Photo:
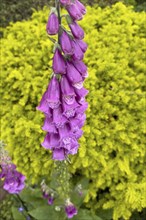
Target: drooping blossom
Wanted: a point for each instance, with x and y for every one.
(76, 30)
(59, 66)
(74, 12)
(65, 2)
(70, 209)
(66, 43)
(53, 24)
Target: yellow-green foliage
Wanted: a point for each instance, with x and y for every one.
(112, 148)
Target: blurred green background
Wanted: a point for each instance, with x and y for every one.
(18, 10)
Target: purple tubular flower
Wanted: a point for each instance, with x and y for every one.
(66, 43)
(43, 106)
(82, 45)
(81, 7)
(82, 108)
(70, 209)
(69, 110)
(80, 94)
(78, 53)
(68, 93)
(51, 141)
(59, 65)
(74, 12)
(53, 96)
(74, 76)
(59, 154)
(58, 118)
(49, 126)
(65, 2)
(14, 182)
(76, 30)
(81, 67)
(53, 24)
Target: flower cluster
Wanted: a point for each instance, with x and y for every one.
(13, 180)
(64, 103)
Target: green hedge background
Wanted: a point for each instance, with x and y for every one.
(19, 10)
(112, 151)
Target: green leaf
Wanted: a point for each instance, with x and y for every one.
(46, 213)
(85, 214)
(16, 214)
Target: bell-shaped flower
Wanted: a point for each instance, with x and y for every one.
(81, 7)
(82, 45)
(70, 209)
(80, 94)
(44, 107)
(67, 90)
(49, 126)
(59, 65)
(82, 108)
(59, 154)
(53, 93)
(74, 76)
(51, 141)
(69, 110)
(67, 138)
(74, 12)
(81, 67)
(65, 2)
(58, 118)
(66, 43)
(78, 53)
(52, 24)
(76, 30)
(77, 132)
(14, 182)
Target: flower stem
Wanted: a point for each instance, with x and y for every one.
(57, 3)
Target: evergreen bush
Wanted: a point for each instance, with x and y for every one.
(112, 149)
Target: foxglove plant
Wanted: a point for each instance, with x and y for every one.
(13, 181)
(63, 103)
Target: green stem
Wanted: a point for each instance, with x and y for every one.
(57, 3)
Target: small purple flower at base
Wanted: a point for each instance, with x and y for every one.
(20, 209)
(76, 30)
(14, 182)
(59, 66)
(53, 24)
(50, 200)
(66, 43)
(70, 209)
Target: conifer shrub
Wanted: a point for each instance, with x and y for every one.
(112, 150)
